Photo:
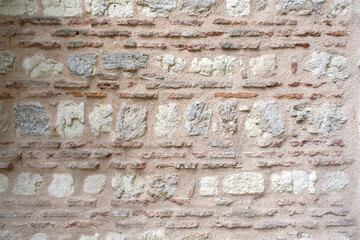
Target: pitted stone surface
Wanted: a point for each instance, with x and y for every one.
(198, 236)
(3, 118)
(87, 237)
(127, 186)
(244, 183)
(335, 182)
(170, 63)
(263, 66)
(39, 66)
(209, 186)
(82, 65)
(294, 181)
(168, 120)
(18, 7)
(70, 119)
(319, 119)
(162, 187)
(340, 236)
(131, 122)
(111, 8)
(61, 186)
(221, 66)
(125, 61)
(227, 112)
(31, 119)
(114, 236)
(156, 8)
(196, 7)
(198, 119)
(341, 7)
(236, 8)
(302, 7)
(39, 236)
(4, 183)
(6, 60)
(27, 183)
(63, 8)
(94, 183)
(100, 119)
(153, 235)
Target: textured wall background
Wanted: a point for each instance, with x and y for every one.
(189, 119)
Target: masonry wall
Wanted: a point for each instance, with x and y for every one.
(189, 119)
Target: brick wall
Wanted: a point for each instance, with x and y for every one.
(188, 119)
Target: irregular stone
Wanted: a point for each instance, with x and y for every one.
(341, 7)
(153, 235)
(18, 7)
(227, 112)
(3, 118)
(168, 120)
(263, 66)
(170, 63)
(222, 65)
(160, 187)
(209, 186)
(321, 119)
(39, 66)
(198, 236)
(39, 236)
(324, 64)
(61, 186)
(63, 8)
(294, 181)
(131, 122)
(125, 61)
(156, 8)
(100, 119)
(197, 7)
(82, 65)
(340, 236)
(264, 119)
(198, 119)
(70, 119)
(114, 236)
(4, 183)
(31, 119)
(127, 186)
(6, 59)
(94, 184)
(285, 6)
(111, 8)
(236, 8)
(244, 183)
(335, 182)
(27, 183)
(85, 237)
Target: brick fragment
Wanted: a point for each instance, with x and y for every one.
(71, 84)
(26, 83)
(6, 95)
(338, 33)
(187, 22)
(41, 20)
(137, 95)
(136, 22)
(180, 95)
(40, 44)
(235, 95)
(81, 44)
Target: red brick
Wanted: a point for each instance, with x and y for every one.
(6, 95)
(180, 95)
(40, 44)
(236, 95)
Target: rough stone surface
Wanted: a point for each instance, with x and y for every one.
(340, 236)
(63, 8)
(18, 7)
(244, 183)
(61, 186)
(31, 119)
(153, 235)
(127, 186)
(209, 186)
(39, 66)
(294, 181)
(3, 118)
(82, 65)
(198, 236)
(264, 119)
(114, 236)
(27, 183)
(227, 112)
(6, 60)
(156, 8)
(221, 66)
(341, 7)
(111, 8)
(324, 64)
(168, 120)
(263, 66)
(87, 237)
(94, 183)
(39, 236)
(131, 122)
(319, 119)
(125, 61)
(302, 7)
(170, 63)
(70, 119)
(236, 8)
(335, 182)
(196, 7)
(162, 187)
(198, 118)
(4, 183)
(100, 119)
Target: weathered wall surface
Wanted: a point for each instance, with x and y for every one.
(189, 119)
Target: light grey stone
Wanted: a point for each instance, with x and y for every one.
(263, 66)
(39, 236)
(244, 183)
(321, 119)
(236, 8)
(338, 68)
(168, 120)
(61, 186)
(127, 186)
(31, 119)
(87, 237)
(131, 122)
(197, 7)
(198, 119)
(4, 183)
(114, 236)
(170, 63)
(18, 7)
(209, 186)
(293, 182)
(125, 61)
(94, 183)
(318, 63)
(162, 187)
(3, 118)
(284, 6)
(111, 8)
(82, 65)
(156, 8)
(221, 66)
(100, 119)
(198, 236)
(63, 8)
(153, 235)
(39, 66)
(227, 112)
(341, 7)
(6, 59)
(335, 182)
(27, 183)
(340, 236)
(70, 119)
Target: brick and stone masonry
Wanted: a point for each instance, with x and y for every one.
(179, 119)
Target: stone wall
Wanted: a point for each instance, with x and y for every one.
(188, 119)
